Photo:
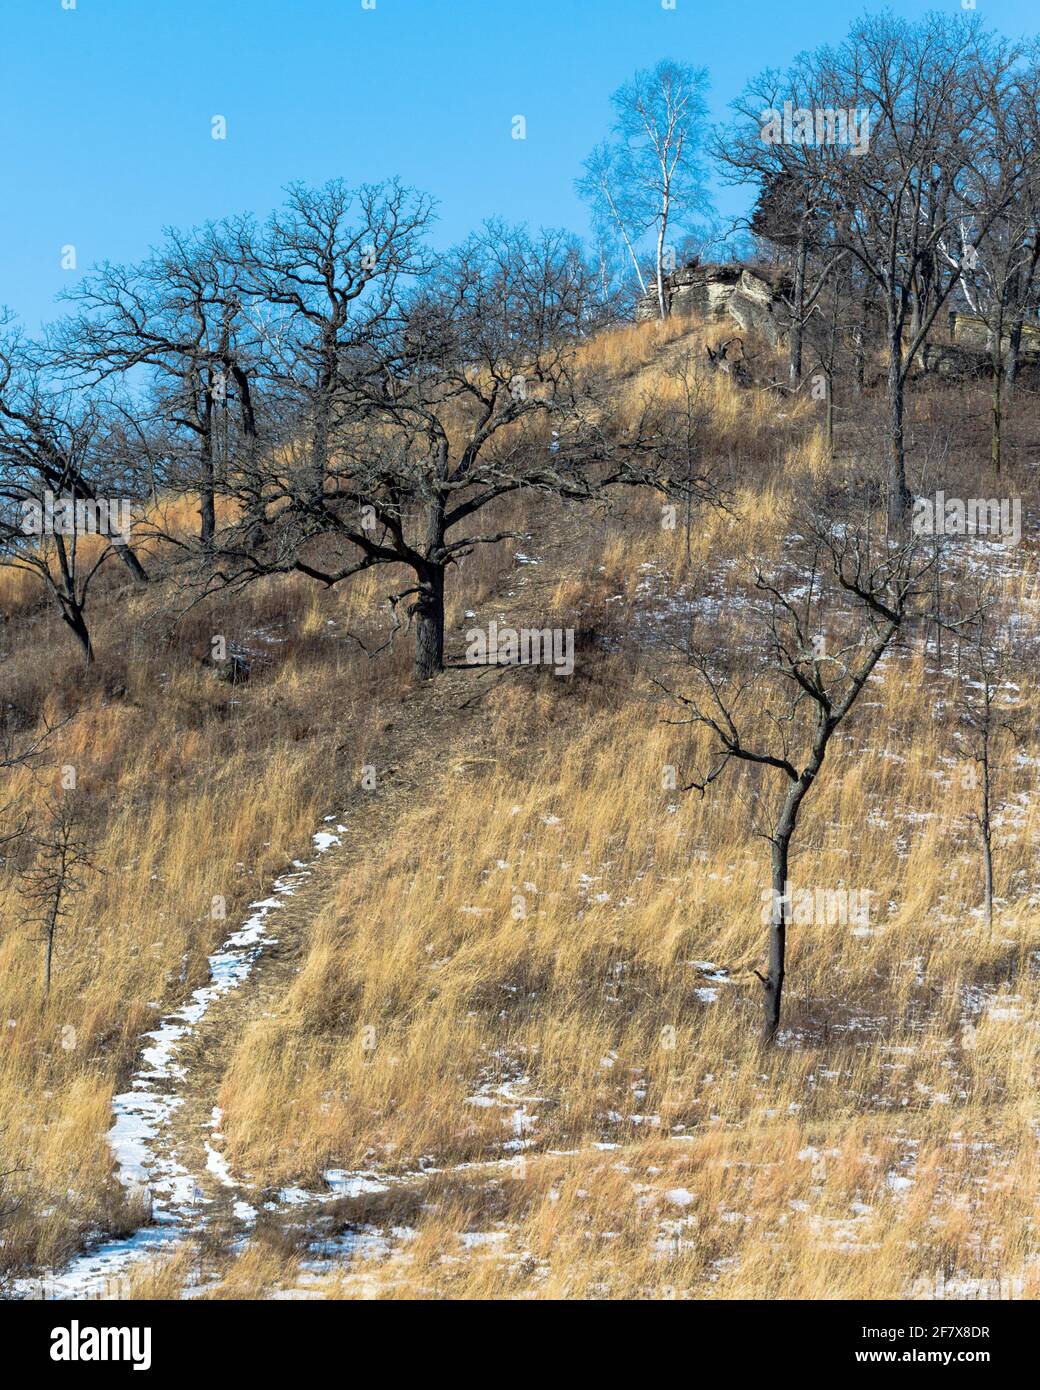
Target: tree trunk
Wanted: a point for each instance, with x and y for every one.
(1023, 289)
(660, 256)
(773, 983)
(915, 309)
(1014, 351)
(987, 835)
(246, 398)
(661, 304)
(859, 357)
(319, 459)
(783, 833)
(996, 411)
(207, 499)
(51, 928)
(859, 339)
(429, 619)
(996, 398)
(898, 493)
(73, 616)
(133, 564)
(799, 308)
(829, 418)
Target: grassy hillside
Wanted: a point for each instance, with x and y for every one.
(507, 1047)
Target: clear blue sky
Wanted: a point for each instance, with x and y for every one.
(107, 107)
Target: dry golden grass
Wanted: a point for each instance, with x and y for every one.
(539, 943)
(180, 832)
(188, 789)
(547, 970)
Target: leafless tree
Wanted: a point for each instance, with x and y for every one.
(24, 751)
(323, 277)
(58, 871)
(466, 393)
(649, 176)
(825, 624)
(986, 717)
(55, 449)
(999, 282)
(794, 209)
(906, 203)
(179, 317)
(901, 207)
(832, 340)
(687, 433)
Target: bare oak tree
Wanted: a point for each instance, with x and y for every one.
(178, 317)
(464, 394)
(56, 453)
(323, 277)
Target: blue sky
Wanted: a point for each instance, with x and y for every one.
(107, 107)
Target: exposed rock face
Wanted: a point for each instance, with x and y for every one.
(968, 353)
(957, 363)
(970, 332)
(751, 299)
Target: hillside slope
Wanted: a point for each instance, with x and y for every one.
(503, 1044)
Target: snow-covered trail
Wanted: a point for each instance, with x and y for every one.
(147, 1164)
(165, 1103)
(146, 1147)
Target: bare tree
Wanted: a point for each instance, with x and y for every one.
(20, 752)
(180, 317)
(794, 209)
(687, 437)
(986, 716)
(900, 207)
(999, 277)
(904, 200)
(465, 395)
(62, 860)
(649, 177)
(55, 452)
(613, 218)
(826, 624)
(832, 332)
(322, 277)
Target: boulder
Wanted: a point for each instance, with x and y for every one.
(750, 298)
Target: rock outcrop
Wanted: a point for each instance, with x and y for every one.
(970, 331)
(967, 352)
(751, 299)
